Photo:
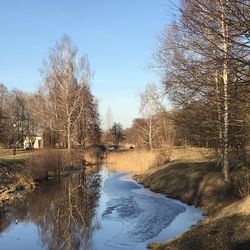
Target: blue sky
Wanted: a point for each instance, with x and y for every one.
(119, 37)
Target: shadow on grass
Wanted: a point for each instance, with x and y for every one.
(196, 183)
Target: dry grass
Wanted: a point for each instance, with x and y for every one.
(41, 162)
(20, 154)
(240, 207)
(143, 160)
(192, 154)
(195, 183)
(131, 161)
(227, 233)
(240, 181)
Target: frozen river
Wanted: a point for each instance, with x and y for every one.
(102, 211)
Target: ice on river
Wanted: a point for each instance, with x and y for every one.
(142, 213)
(127, 216)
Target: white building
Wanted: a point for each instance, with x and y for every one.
(37, 142)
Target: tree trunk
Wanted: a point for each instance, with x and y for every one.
(225, 93)
(69, 134)
(219, 115)
(150, 139)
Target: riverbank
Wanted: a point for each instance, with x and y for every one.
(10, 181)
(105, 210)
(195, 183)
(227, 225)
(21, 173)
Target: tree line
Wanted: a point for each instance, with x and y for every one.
(203, 61)
(63, 109)
(204, 64)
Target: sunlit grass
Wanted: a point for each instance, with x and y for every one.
(20, 153)
(142, 160)
(131, 161)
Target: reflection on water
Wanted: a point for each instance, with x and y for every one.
(99, 211)
(62, 211)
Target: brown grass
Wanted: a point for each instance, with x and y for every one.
(195, 178)
(192, 154)
(195, 183)
(240, 181)
(239, 207)
(230, 232)
(131, 161)
(143, 160)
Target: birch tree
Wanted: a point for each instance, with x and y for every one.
(149, 107)
(65, 99)
(202, 67)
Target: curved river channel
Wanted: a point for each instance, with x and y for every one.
(104, 210)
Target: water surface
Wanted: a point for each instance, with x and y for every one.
(103, 211)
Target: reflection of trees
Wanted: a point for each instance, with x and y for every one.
(64, 211)
(4, 223)
(68, 221)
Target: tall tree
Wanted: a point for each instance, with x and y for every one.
(22, 116)
(149, 107)
(118, 133)
(67, 106)
(203, 65)
(5, 116)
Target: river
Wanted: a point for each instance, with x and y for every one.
(104, 211)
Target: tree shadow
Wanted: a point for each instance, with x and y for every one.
(196, 183)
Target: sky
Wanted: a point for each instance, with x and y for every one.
(119, 37)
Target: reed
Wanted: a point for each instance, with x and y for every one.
(131, 161)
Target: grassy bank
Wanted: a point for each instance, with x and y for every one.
(199, 182)
(227, 233)
(228, 229)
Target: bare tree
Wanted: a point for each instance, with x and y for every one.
(109, 118)
(66, 104)
(203, 65)
(22, 116)
(149, 107)
(5, 116)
